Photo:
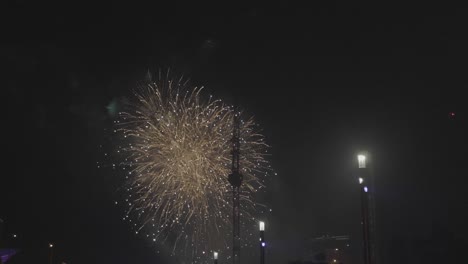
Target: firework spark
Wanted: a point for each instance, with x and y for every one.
(177, 156)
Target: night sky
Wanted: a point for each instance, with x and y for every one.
(324, 81)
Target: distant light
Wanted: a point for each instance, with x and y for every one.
(215, 255)
(262, 226)
(263, 244)
(365, 189)
(347, 245)
(14, 235)
(361, 180)
(51, 245)
(334, 260)
(336, 249)
(361, 161)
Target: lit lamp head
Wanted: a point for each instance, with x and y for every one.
(215, 255)
(361, 161)
(51, 245)
(262, 226)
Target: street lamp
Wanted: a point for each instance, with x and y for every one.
(51, 253)
(367, 208)
(262, 226)
(215, 257)
(361, 161)
(262, 242)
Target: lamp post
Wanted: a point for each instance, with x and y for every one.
(367, 209)
(51, 253)
(215, 257)
(262, 242)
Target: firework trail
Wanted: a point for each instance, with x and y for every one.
(176, 154)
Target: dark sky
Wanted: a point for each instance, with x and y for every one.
(325, 81)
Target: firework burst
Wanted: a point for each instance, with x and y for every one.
(176, 154)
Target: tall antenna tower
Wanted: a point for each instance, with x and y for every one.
(235, 179)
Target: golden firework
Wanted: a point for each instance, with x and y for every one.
(177, 156)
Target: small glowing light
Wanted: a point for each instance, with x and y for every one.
(361, 161)
(365, 189)
(262, 226)
(334, 260)
(361, 180)
(14, 235)
(215, 255)
(263, 244)
(336, 249)
(51, 245)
